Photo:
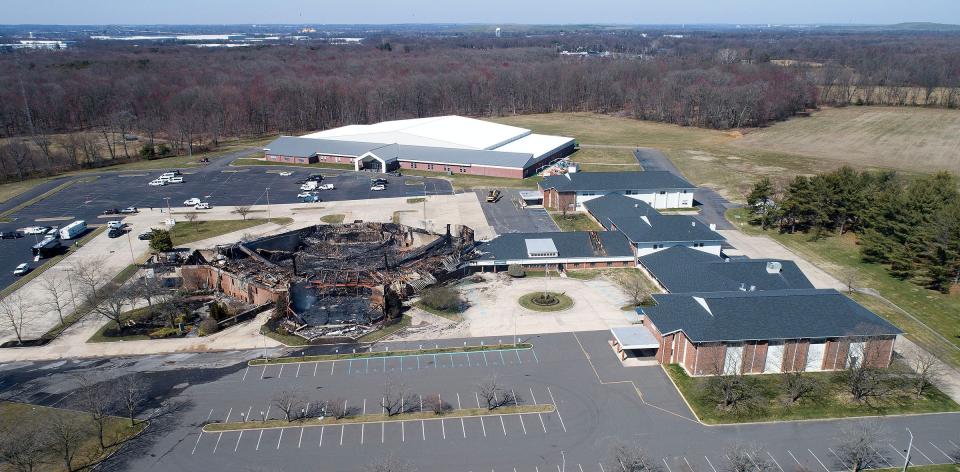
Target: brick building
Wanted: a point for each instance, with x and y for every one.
(659, 189)
(450, 144)
(767, 332)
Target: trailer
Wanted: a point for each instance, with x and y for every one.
(73, 230)
(49, 247)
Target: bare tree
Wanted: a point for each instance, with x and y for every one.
(727, 385)
(850, 278)
(395, 398)
(635, 287)
(112, 304)
(56, 295)
(66, 435)
(15, 312)
(493, 394)
(192, 217)
(925, 371)
(336, 408)
(132, 394)
(630, 457)
(243, 210)
(798, 385)
(91, 277)
(747, 458)
(436, 404)
(292, 404)
(148, 289)
(22, 447)
(863, 381)
(858, 446)
(98, 400)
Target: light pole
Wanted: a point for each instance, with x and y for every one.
(169, 215)
(906, 460)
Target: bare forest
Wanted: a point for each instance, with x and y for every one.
(100, 103)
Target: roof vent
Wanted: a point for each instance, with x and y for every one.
(713, 226)
(693, 223)
(703, 303)
(636, 205)
(646, 220)
(753, 288)
(774, 267)
(743, 287)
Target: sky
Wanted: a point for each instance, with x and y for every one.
(474, 11)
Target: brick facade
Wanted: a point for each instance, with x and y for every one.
(556, 200)
(209, 278)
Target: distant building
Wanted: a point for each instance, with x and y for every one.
(451, 144)
(659, 189)
(681, 269)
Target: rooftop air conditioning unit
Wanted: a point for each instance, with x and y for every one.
(774, 267)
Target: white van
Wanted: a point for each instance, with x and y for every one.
(166, 176)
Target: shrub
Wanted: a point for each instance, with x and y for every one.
(165, 332)
(442, 299)
(515, 270)
(218, 312)
(160, 240)
(208, 326)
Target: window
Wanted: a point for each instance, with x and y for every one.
(446, 168)
(697, 244)
(663, 192)
(413, 165)
(429, 166)
(463, 170)
(609, 264)
(683, 191)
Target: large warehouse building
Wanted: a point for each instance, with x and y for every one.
(440, 144)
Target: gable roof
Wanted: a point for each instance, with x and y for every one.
(682, 269)
(609, 181)
(768, 315)
(306, 147)
(642, 224)
(572, 244)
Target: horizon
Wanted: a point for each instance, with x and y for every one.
(531, 12)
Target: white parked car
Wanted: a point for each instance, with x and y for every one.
(326, 187)
(305, 194)
(21, 269)
(34, 230)
(311, 185)
(157, 183)
(202, 206)
(286, 173)
(115, 224)
(191, 202)
(176, 180)
(377, 188)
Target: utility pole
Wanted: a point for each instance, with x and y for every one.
(906, 460)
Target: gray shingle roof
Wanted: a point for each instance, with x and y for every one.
(627, 215)
(683, 269)
(306, 147)
(607, 181)
(775, 314)
(573, 244)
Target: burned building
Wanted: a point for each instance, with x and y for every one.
(336, 279)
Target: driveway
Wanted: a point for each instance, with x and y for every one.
(712, 205)
(506, 216)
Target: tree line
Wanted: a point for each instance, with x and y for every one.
(912, 225)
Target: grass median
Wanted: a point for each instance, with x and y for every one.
(186, 232)
(378, 418)
(381, 354)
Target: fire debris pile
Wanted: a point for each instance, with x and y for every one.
(340, 280)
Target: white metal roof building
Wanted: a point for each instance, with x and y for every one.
(444, 144)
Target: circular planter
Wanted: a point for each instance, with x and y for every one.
(535, 301)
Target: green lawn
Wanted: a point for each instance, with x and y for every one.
(526, 301)
(574, 221)
(24, 417)
(186, 232)
(936, 312)
(770, 405)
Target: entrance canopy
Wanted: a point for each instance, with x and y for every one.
(634, 337)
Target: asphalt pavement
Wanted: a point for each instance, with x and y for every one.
(713, 207)
(598, 404)
(506, 216)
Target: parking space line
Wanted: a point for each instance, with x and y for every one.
(752, 461)
(297, 376)
(601, 466)
(580, 467)
(443, 428)
(300, 441)
(197, 443)
(517, 352)
(485, 364)
(249, 408)
(332, 364)
(953, 444)
(245, 373)
(209, 415)
(238, 441)
(875, 451)
(668, 465)
(281, 438)
(263, 372)
(535, 355)
(321, 435)
(922, 454)
(258, 440)
(711, 463)
(315, 366)
(689, 467)
(281, 371)
(403, 431)
(818, 460)
(342, 427)
(383, 427)
(775, 461)
(897, 451)
(941, 452)
(838, 457)
(502, 362)
(791, 455)
(556, 409)
(502, 425)
(215, 446)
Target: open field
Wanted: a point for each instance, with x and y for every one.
(902, 138)
(905, 139)
(936, 310)
(574, 221)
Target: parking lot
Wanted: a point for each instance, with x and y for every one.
(506, 216)
(597, 404)
(220, 186)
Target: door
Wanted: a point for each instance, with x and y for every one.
(815, 355)
(855, 354)
(774, 361)
(733, 360)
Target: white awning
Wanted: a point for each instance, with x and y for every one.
(634, 337)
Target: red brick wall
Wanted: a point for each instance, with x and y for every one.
(557, 201)
(710, 357)
(206, 277)
(665, 353)
(471, 170)
(754, 356)
(691, 355)
(879, 352)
